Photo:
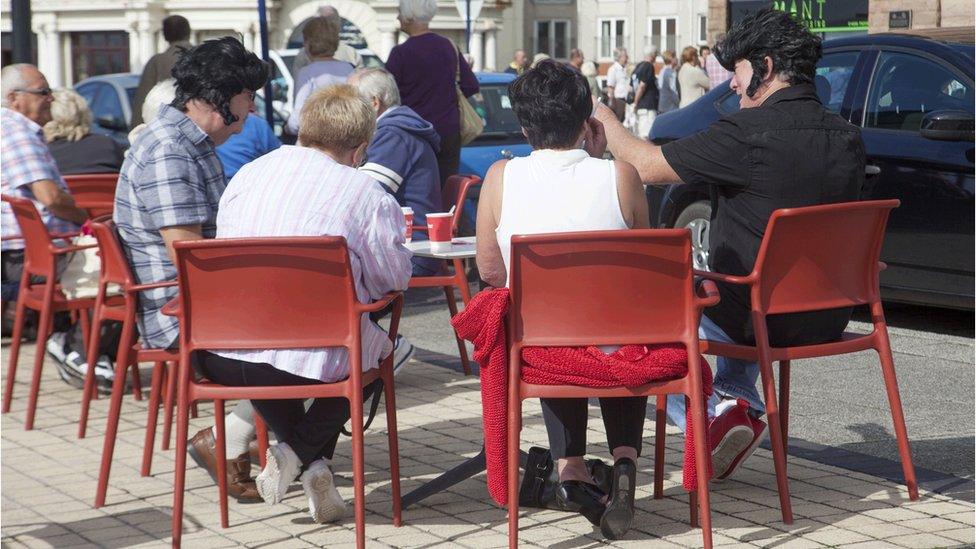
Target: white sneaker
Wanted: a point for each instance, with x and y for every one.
(55, 346)
(281, 469)
(324, 502)
(402, 351)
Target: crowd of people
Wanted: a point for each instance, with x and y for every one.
(371, 141)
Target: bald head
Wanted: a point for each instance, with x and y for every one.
(330, 13)
(24, 89)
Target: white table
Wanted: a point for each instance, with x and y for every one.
(461, 248)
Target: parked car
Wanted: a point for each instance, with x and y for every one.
(110, 98)
(913, 97)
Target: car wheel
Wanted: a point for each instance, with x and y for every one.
(695, 217)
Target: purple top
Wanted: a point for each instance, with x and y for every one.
(424, 68)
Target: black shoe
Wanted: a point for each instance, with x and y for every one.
(617, 518)
(601, 472)
(583, 497)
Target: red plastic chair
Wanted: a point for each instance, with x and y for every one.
(40, 259)
(455, 192)
(816, 258)
(606, 288)
(94, 192)
(115, 270)
(276, 293)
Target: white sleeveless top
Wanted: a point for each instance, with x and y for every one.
(553, 191)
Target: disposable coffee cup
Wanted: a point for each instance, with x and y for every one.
(408, 215)
(439, 231)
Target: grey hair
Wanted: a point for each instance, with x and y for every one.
(619, 52)
(12, 78)
(651, 51)
(330, 13)
(379, 84)
(421, 11)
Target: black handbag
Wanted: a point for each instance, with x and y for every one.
(539, 470)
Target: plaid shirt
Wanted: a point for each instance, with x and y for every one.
(716, 72)
(26, 160)
(171, 177)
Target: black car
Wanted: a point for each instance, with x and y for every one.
(913, 99)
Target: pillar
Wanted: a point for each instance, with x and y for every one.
(49, 60)
(135, 48)
(477, 49)
(491, 51)
(388, 41)
(147, 46)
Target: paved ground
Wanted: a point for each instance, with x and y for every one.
(49, 476)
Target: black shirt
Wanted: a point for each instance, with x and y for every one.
(788, 152)
(645, 73)
(92, 153)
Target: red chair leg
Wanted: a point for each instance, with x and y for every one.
(514, 432)
(391, 433)
(358, 468)
(776, 436)
(92, 354)
(179, 482)
(221, 461)
(784, 402)
(261, 430)
(462, 350)
(152, 417)
(136, 382)
(897, 414)
(699, 428)
(661, 402)
(462, 281)
(8, 389)
(194, 412)
(44, 327)
(171, 371)
(114, 409)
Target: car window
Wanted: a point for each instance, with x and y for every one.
(495, 108)
(88, 92)
(906, 87)
(833, 75)
(105, 104)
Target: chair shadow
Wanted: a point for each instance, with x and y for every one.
(49, 532)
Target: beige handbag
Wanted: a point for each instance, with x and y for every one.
(471, 124)
(81, 273)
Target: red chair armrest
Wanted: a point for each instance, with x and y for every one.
(380, 303)
(172, 308)
(707, 294)
(70, 249)
(61, 236)
(143, 287)
(12, 237)
(729, 279)
(421, 228)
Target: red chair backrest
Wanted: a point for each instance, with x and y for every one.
(38, 258)
(821, 257)
(455, 193)
(266, 293)
(95, 192)
(602, 288)
(115, 266)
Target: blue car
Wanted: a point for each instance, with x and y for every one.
(502, 137)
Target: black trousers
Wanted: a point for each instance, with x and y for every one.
(566, 419)
(312, 434)
(449, 157)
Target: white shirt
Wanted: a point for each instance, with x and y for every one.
(617, 78)
(299, 191)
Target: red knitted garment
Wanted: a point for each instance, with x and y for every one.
(483, 323)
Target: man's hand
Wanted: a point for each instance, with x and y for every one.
(57, 201)
(595, 138)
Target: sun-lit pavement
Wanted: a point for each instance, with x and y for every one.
(49, 476)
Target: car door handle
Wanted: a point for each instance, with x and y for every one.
(507, 154)
(871, 169)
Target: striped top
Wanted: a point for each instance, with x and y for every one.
(299, 191)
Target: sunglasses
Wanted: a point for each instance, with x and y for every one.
(43, 92)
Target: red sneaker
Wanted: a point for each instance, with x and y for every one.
(733, 437)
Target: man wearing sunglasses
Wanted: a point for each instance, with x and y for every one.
(29, 171)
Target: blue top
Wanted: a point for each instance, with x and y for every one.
(256, 139)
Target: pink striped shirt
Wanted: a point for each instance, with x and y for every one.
(299, 191)
(717, 74)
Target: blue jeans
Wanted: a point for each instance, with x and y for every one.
(733, 379)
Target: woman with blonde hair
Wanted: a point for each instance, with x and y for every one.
(75, 149)
(692, 80)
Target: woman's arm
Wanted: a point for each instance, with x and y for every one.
(491, 265)
(702, 79)
(630, 194)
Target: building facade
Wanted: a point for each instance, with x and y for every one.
(80, 38)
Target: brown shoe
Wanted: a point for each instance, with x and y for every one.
(240, 486)
(254, 453)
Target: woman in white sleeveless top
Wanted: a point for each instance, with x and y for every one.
(561, 188)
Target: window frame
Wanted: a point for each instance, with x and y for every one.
(551, 51)
(613, 37)
(702, 29)
(662, 45)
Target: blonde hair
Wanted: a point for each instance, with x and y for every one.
(689, 55)
(336, 118)
(70, 116)
(321, 36)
